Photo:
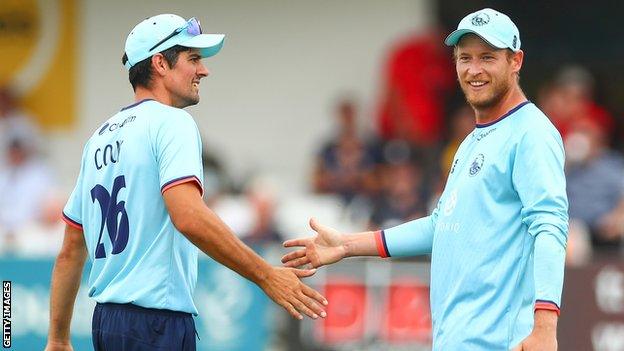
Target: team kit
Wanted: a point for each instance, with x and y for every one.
(496, 238)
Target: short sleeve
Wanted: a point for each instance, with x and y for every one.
(72, 212)
(178, 148)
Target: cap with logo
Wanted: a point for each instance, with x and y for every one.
(161, 32)
(492, 26)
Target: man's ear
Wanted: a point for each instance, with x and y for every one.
(516, 61)
(159, 64)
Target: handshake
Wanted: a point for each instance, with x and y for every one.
(326, 247)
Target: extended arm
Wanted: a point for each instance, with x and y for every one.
(65, 283)
(330, 246)
(205, 230)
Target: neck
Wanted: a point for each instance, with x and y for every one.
(513, 98)
(154, 93)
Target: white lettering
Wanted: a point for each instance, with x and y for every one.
(449, 227)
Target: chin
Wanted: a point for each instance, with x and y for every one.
(484, 100)
(192, 100)
(478, 102)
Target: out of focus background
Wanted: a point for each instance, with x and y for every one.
(347, 111)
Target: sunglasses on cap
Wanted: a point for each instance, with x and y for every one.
(193, 27)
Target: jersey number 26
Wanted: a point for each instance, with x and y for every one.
(117, 228)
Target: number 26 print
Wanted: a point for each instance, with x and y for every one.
(117, 228)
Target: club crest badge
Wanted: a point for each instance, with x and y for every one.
(480, 19)
(476, 165)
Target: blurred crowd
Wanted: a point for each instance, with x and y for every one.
(30, 203)
(384, 176)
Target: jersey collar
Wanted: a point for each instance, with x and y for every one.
(483, 125)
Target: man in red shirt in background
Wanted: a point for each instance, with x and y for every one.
(419, 78)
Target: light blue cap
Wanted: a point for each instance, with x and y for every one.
(494, 27)
(154, 29)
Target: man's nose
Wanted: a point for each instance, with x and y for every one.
(203, 70)
(474, 68)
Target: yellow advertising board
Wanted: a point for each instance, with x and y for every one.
(38, 58)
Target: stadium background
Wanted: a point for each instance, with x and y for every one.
(266, 109)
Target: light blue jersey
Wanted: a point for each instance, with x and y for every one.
(137, 254)
(497, 237)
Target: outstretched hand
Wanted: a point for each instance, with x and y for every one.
(324, 248)
(283, 285)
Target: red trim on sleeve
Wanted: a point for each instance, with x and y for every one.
(183, 180)
(380, 245)
(547, 305)
(71, 222)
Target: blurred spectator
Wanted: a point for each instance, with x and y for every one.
(14, 124)
(42, 236)
(216, 179)
(570, 98)
(595, 185)
(251, 214)
(419, 78)
(345, 165)
(24, 183)
(262, 198)
(401, 198)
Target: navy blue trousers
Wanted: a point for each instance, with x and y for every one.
(127, 327)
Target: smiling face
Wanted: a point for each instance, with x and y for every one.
(182, 81)
(485, 74)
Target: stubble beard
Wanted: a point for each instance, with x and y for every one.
(189, 100)
(495, 96)
(193, 100)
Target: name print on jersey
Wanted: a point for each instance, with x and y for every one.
(483, 135)
(114, 126)
(107, 155)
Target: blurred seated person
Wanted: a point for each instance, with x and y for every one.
(13, 122)
(42, 236)
(418, 80)
(345, 165)
(401, 198)
(261, 196)
(595, 185)
(251, 214)
(570, 98)
(24, 182)
(217, 181)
